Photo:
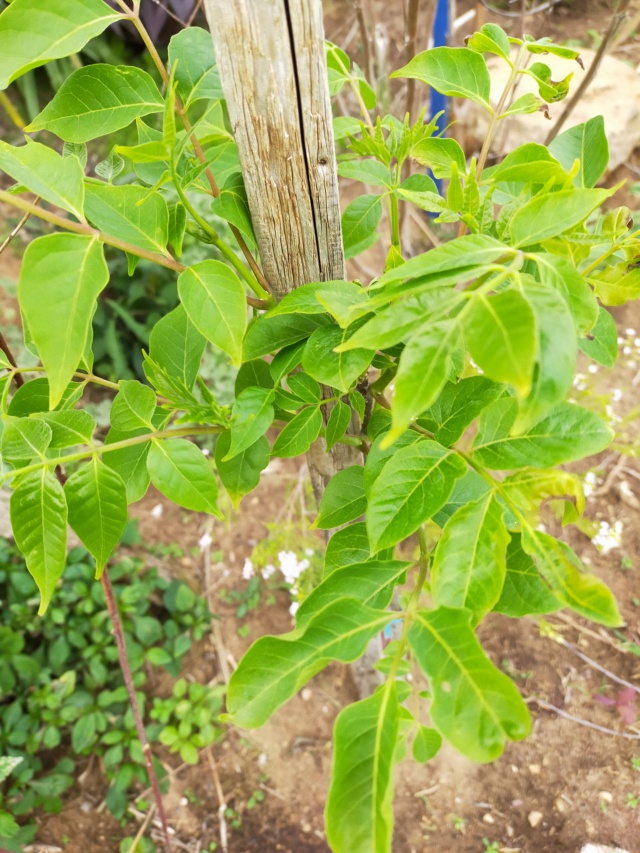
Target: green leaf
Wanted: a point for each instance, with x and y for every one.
(182, 473)
(177, 226)
(133, 406)
(490, 39)
(347, 546)
(439, 155)
(381, 452)
(215, 303)
(267, 334)
(306, 299)
(469, 565)
(109, 168)
(550, 214)
(616, 285)
(39, 523)
(338, 423)
(585, 142)
(177, 346)
(232, 203)
(423, 369)
(602, 343)
(564, 573)
(370, 172)
(567, 433)
(97, 501)
(84, 733)
(525, 105)
(371, 582)
(255, 372)
(523, 593)
(24, 439)
(251, 417)
(129, 213)
(69, 428)
(338, 369)
(241, 474)
(299, 434)
(60, 279)
(360, 223)
(468, 488)
(550, 90)
(530, 163)
(32, 34)
(191, 52)
(130, 463)
(275, 668)
(454, 71)
(500, 334)
(426, 744)
(359, 811)
(98, 99)
(458, 405)
(304, 387)
(545, 45)
(343, 500)
(44, 172)
(412, 486)
(559, 273)
(529, 488)
(474, 705)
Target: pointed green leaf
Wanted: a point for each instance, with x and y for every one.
(130, 463)
(426, 744)
(500, 334)
(567, 433)
(176, 345)
(475, 706)
(33, 33)
(304, 387)
(381, 452)
(251, 417)
(468, 568)
(98, 99)
(183, 474)
(39, 523)
(525, 105)
(241, 474)
(602, 342)
(458, 405)
(359, 811)
(413, 486)
(359, 224)
(491, 39)
(215, 303)
(529, 488)
(133, 406)
(299, 434)
(268, 334)
(69, 428)
(559, 273)
(440, 155)
(570, 584)
(97, 501)
(455, 71)
(585, 142)
(338, 369)
(343, 500)
(191, 52)
(130, 214)
(530, 163)
(348, 546)
(233, 206)
(524, 592)
(24, 438)
(370, 172)
(338, 423)
(60, 279)
(275, 668)
(550, 90)
(44, 172)
(550, 214)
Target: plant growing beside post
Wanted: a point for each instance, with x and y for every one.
(481, 331)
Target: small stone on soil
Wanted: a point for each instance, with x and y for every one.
(535, 769)
(534, 818)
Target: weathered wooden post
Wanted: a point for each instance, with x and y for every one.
(272, 67)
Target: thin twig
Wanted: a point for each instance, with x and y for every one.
(222, 806)
(616, 20)
(597, 666)
(580, 721)
(366, 41)
(410, 51)
(18, 227)
(118, 633)
(422, 225)
(193, 14)
(4, 346)
(142, 830)
(218, 642)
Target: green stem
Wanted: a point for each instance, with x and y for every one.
(12, 112)
(355, 88)
(86, 377)
(495, 117)
(395, 220)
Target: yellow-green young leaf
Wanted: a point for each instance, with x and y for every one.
(425, 365)
(359, 811)
(299, 434)
(426, 744)
(32, 32)
(550, 214)
(550, 90)
(524, 592)
(215, 303)
(490, 39)
(440, 155)
(60, 279)
(458, 405)
(97, 100)
(275, 668)
(559, 273)
(338, 423)
(129, 462)
(602, 343)
(24, 438)
(133, 406)
(183, 474)
(474, 706)
(39, 523)
(528, 489)
(251, 417)
(530, 163)
(469, 564)
(129, 213)
(500, 334)
(241, 474)
(413, 486)
(191, 52)
(585, 142)
(338, 369)
(177, 346)
(343, 500)
(570, 584)
(524, 105)
(455, 71)
(370, 172)
(371, 582)
(44, 172)
(567, 433)
(616, 285)
(68, 428)
(359, 224)
(97, 501)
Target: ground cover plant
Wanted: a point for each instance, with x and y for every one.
(449, 374)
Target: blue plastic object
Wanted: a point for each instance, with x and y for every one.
(440, 38)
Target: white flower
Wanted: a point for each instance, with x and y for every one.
(262, 759)
(593, 368)
(290, 567)
(626, 350)
(156, 512)
(268, 571)
(631, 332)
(620, 340)
(247, 569)
(616, 395)
(636, 342)
(293, 608)
(309, 552)
(204, 541)
(206, 451)
(607, 538)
